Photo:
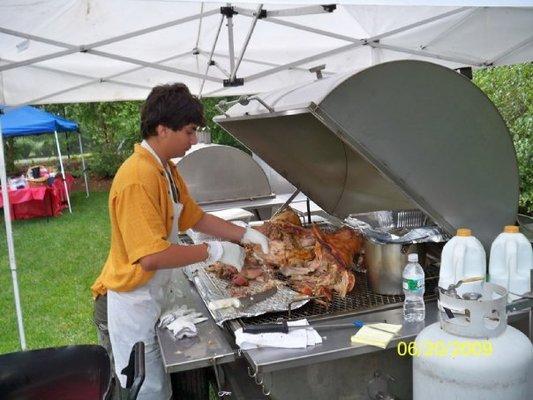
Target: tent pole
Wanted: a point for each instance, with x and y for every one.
(62, 171)
(289, 12)
(68, 147)
(511, 50)
(246, 41)
(200, 25)
(424, 53)
(230, 42)
(452, 28)
(10, 244)
(83, 164)
(211, 56)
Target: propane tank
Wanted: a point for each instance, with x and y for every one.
(472, 353)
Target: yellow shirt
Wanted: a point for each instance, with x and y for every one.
(141, 213)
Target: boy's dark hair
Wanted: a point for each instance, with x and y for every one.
(172, 106)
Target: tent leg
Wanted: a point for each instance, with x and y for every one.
(211, 56)
(83, 164)
(231, 49)
(10, 244)
(63, 171)
(246, 41)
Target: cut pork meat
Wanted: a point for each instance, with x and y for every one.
(312, 261)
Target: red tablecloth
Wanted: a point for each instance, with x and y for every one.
(41, 201)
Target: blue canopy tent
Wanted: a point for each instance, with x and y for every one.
(29, 121)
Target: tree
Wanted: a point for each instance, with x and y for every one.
(110, 129)
(10, 154)
(510, 88)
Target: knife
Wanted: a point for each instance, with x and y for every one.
(242, 302)
(284, 327)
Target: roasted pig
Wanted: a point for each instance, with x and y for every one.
(311, 261)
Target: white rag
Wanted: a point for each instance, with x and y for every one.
(295, 339)
(182, 327)
(182, 321)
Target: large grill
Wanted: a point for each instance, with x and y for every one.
(360, 300)
(352, 144)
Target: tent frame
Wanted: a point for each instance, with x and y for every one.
(63, 171)
(259, 13)
(10, 243)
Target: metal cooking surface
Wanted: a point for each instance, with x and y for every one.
(210, 288)
(360, 300)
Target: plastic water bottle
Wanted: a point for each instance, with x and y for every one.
(414, 309)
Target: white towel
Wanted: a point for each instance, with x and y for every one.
(295, 339)
(182, 321)
(182, 327)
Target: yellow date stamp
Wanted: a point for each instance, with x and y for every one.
(442, 348)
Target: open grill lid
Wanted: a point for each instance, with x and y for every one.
(398, 135)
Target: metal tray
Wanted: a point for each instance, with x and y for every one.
(212, 288)
(399, 227)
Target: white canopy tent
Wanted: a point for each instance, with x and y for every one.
(76, 50)
(61, 51)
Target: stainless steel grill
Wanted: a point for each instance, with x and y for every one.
(360, 300)
(352, 153)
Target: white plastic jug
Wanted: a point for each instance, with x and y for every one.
(463, 257)
(511, 260)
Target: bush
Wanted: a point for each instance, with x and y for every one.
(510, 88)
(109, 131)
(219, 135)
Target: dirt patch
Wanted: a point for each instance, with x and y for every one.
(95, 184)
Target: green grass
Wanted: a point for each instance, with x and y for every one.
(57, 262)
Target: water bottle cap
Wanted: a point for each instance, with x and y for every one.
(413, 257)
(511, 229)
(464, 232)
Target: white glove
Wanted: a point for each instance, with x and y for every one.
(255, 237)
(225, 252)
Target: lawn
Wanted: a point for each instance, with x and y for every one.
(57, 261)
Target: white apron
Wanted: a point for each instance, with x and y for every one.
(132, 317)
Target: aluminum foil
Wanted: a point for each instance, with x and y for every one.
(212, 288)
(400, 227)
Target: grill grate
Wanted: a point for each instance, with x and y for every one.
(360, 300)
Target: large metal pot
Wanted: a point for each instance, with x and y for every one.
(385, 263)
